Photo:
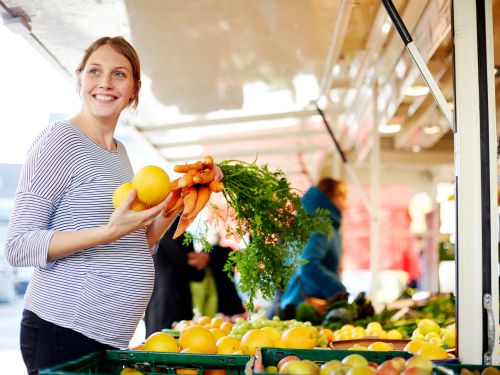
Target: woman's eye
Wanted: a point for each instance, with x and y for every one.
(93, 72)
(120, 74)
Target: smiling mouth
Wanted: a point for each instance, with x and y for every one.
(104, 98)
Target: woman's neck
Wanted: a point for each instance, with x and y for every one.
(101, 132)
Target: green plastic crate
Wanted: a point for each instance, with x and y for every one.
(111, 362)
(271, 356)
(447, 369)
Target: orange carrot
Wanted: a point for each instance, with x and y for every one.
(183, 168)
(201, 200)
(216, 186)
(187, 179)
(204, 177)
(182, 226)
(174, 202)
(173, 184)
(188, 195)
(208, 162)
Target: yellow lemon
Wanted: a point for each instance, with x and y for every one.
(427, 325)
(121, 193)
(299, 338)
(414, 346)
(152, 184)
(228, 345)
(431, 351)
(272, 332)
(198, 338)
(253, 339)
(161, 342)
(379, 346)
(394, 334)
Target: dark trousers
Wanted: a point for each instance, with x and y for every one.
(44, 344)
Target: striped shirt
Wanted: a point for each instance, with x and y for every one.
(66, 184)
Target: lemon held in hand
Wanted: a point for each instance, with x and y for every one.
(121, 193)
(152, 184)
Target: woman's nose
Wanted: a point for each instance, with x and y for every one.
(105, 81)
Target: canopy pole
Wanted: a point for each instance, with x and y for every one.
(419, 61)
(475, 183)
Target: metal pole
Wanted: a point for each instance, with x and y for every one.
(375, 199)
(419, 61)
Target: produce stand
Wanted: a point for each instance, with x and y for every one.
(111, 362)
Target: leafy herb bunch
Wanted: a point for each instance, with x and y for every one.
(270, 212)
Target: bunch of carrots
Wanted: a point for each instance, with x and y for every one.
(191, 192)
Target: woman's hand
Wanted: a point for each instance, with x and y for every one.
(125, 220)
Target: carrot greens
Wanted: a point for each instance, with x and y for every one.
(273, 224)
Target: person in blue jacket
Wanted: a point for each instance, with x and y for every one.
(319, 277)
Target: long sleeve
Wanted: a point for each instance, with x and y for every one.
(319, 275)
(43, 180)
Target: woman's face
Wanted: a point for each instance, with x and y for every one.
(106, 83)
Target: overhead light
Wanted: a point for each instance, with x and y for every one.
(389, 128)
(431, 129)
(417, 90)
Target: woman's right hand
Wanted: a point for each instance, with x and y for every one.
(125, 220)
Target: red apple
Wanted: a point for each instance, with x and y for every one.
(330, 367)
(387, 368)
(355, 360)
(300, 367)
(287, 359)
(420, 362)
(373, 364)
(399, 363)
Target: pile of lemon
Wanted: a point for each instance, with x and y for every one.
(428, 330)
(350, 332)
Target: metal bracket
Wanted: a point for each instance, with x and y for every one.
(488, 306)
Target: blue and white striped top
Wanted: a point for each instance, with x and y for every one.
(66, 184)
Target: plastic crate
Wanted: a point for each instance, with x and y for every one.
(271, 356)
(365, 341)
(111, 362)
(448, 369)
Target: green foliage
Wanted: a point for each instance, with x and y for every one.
(269, 211)
(308, 313)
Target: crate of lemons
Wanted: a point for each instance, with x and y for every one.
(428, 339)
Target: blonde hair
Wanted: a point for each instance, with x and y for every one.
(120, 45)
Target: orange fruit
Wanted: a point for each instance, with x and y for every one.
(218, 333)
(152, 184)
(253, 339)
(216, 322)
(203, 320)
(299, 338)
(328, 333)
(186, 371)
(215, 371)
(198, 338)
(130, 371)
(226, 327)
(121, 193)
(228, 345)
(138, 347)
(161, 342)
